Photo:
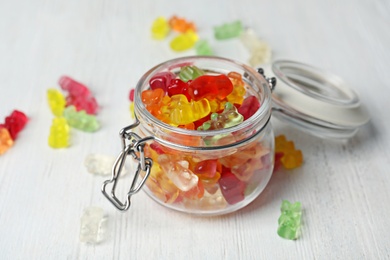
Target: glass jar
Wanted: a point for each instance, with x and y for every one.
(200, 172)
(216, 172)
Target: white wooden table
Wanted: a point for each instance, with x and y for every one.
(344, 187)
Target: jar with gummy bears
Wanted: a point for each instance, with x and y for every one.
(202, 138)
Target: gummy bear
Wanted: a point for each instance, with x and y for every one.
(238, 93)
(290, 220)
(181, 25)
(245, 161)
(100, 164)
(73, 87)
(152, 100)
(6, 141)
(161, 186)
(15, 123)
(228, 118)
(206, 168)
(202, 47)
(184, 41)
(88, 104)
(181, 176)
(249, 107)
(210, 87)
(260, 50)
(232, 188)
(228, 30)
(181, 112)
(131, 95)
(178, 86)
(93, 225)
(291, 157)
(160, 28)
(131, 108)
(59, 133)
(56, 101)
(209, 201)
(161, 80)
(81, 120)
(79, 95)
(190, 73)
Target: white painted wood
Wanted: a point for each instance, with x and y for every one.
(344, 187)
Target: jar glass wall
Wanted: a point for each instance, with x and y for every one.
(208, 172)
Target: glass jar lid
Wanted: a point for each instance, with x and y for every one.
(316, 101)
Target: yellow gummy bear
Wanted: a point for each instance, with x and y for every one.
(160, 28)
(59, 133)
(182, 112)
(184, 41)
(56, 101)
(132, 110)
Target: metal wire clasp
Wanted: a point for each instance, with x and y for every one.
(133, 145)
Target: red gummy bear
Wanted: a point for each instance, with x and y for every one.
(79, 95)
(231, 187)
(15, 122)
(161, 80)
(207, 168)
(131, 95)
(210, 87)
(249, 106)
(177, 87)
(73, 87)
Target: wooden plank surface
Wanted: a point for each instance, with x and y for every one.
(344, 187)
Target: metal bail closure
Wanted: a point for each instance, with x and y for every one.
(133, 145)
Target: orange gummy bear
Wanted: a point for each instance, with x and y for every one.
(181, 25)
(291, 158)
(5, 140)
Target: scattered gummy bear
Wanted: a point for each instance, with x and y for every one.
(56, 101)
(289, 220)
(260, 50)
(290, 158)
(100, 164)
(81, 120)
(79, 95)
(202, 47)
(181, 25)
(59, 133)
(160, 28)
(15, 123)
(93, 225)
(228, 30)
(184, 41)
(6, 141)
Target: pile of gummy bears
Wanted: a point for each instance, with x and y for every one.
(77, 110)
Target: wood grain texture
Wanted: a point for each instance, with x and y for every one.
(344, 186)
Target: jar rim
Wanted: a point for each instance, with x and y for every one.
(263, 112)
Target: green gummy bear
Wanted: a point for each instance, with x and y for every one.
(228, 30)
(229, 117)
(289, 220)
(203, 47)
(81, 120)
(190, 73)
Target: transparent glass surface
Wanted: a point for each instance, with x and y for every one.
(208, 172)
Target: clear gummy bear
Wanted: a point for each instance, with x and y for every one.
(93, 225)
